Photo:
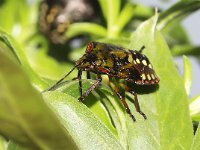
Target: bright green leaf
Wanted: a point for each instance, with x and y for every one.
(118, 116)
(196, 140)
(185, 49)
(89, 28)
(166, 105)
(125, 16)
(19, 54)
(176, 36)
(143, 11)
(3, 143)
(104, 8)
(177, 12)
(7, 10)
(18, 18)
(187, 74)
(24, 116)
(85, 128)
(195, 108)
(113, 8)
(40, 62)
(72, 88)
(13, 146)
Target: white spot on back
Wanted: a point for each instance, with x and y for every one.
(153, 77)
(150, 66)
(144, 62)
(143, 76)
(148, 76)
(137, 60)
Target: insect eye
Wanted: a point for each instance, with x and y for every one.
(89, 47)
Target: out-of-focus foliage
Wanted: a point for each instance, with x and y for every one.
(30, 61)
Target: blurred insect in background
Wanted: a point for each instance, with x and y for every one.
(55, 16)
(115, 62)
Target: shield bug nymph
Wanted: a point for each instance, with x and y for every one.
(115, 62)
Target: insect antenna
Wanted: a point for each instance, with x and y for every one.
(141, 49)
(59, 81)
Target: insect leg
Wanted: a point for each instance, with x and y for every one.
(88, 75)
(136, 102)
(141, 49)
(75, 78)
(92, 87)
(80, 82)
(116, 90)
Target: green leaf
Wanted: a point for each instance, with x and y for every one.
(13, 146)
(20, 17)
(19, 54)
(177, 12)
(113, 104)
(25, 118)
(196, 140)
(187, 74)
(195, 108)
(3, 143)
(166, 105)
(85, 128)
(72, 88)
(185, 49)
(40, 62)
(176, 35)
(111, 11)
(125, 16)
(8, 9)
(117, 113)
(142, 11)
(104, 8)
(89, 28)
(113, 8)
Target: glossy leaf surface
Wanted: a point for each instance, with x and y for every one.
(24, 116)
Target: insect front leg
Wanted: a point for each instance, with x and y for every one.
(80, 82)
(92, 87)
(88, 75)
(117, 91)
(136, 102)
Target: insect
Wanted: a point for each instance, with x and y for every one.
(55, 17)
(115, 62)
